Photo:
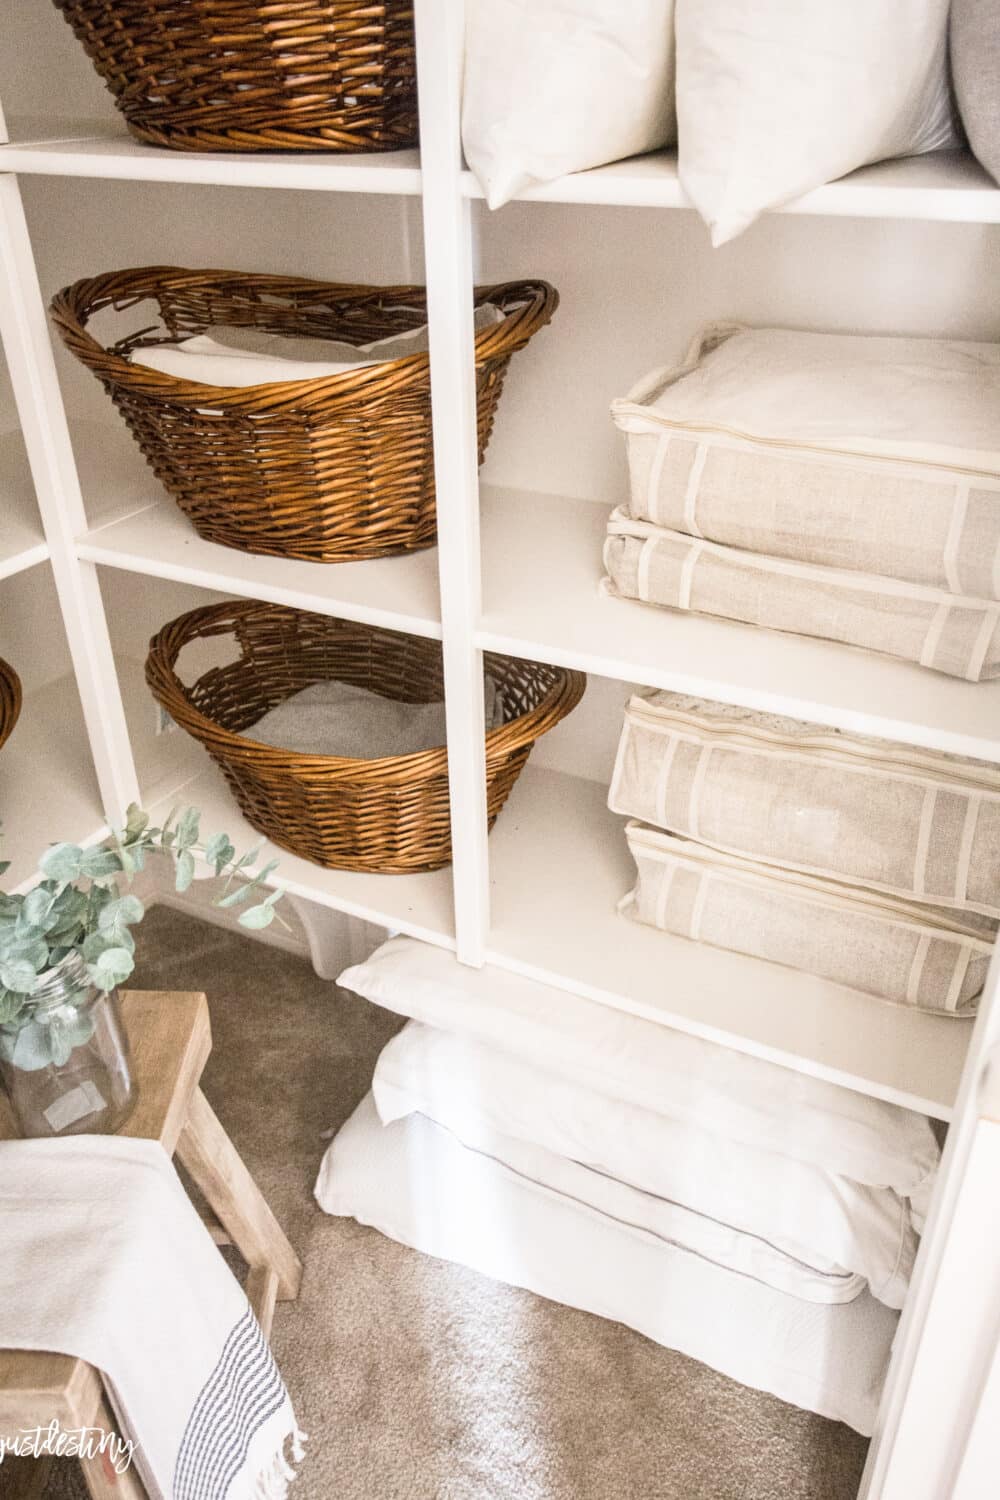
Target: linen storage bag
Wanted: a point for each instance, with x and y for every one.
(914, 955)
(951, 633)
(908, 822)
(880, 455)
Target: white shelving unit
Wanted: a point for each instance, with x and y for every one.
(516, 571)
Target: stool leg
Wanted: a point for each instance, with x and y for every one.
(102, 1480)
(212, 1160)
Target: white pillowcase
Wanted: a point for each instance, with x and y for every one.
(734, 1095)
(527, 1118)
(556, 86)
(780, 96)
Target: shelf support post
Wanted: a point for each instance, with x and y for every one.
(25, 335)
(448, 257)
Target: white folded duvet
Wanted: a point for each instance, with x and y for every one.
(419, 1185)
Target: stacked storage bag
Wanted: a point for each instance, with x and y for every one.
(871, 864)
(834, 486)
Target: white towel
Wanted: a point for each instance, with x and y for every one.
(102, 1256)
(250, 356)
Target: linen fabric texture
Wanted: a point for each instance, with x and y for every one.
(684, 1078)
(914, 824)
(953, 634)
(871, 454)
(417, 1183)
(778, 97)
(557, 86)
(975, 65)
(529, 1118)
(910, 954)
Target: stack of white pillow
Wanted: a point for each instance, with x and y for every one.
(754, 1218)
(767, 100)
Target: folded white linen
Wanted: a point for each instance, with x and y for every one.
(509, 1107)
(339, 719)
(417, 1184)
(133, 1284)
(730, 1093)
(249, 356)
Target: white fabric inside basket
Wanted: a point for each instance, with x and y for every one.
(353, 723)
(250, 356)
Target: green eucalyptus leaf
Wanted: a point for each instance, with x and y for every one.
(4, 866)
(11, 1006)
(256, 917)
(18, 974)
(184, 873)
(114, 918)
(111, 968)
(62, 862)
(37, 907)
(69, 1030)
(219, 851)
(235, 897)
(136, 820)
(96, 863)
(28, 949)
(187, 828)
(30, 1048)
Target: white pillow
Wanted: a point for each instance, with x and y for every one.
(496, 1103)
(640, 1062)
(556, 86)
(780, 96)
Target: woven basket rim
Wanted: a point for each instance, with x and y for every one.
(73, 307)
(12, 697)
(560, 699)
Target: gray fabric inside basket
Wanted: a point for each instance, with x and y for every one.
(353, 723)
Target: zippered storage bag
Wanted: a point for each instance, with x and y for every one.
(873, 454)
(910, 823)
(914, 955)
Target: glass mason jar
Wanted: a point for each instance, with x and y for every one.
(87, 1088)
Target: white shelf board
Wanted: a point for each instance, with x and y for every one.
(399, 593)
(541, 570)
(22, 542)
(946, 185)
(48, 790)
(420, 905)
(560, 865)
(110, 152)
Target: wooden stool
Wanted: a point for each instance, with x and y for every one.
(170, 1038)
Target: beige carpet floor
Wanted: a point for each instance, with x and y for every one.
(419, 1380)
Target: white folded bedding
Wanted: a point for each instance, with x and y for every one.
(417, 1184)
(510, 1108)
(251, 356)
(738, 1097)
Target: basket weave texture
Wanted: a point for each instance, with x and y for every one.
(241, 75)
(388, 815)
(329, 469)
(10, 699)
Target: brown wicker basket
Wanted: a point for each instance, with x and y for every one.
(10, 699)
(242, 75)
(386, 815)
(329, 469)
